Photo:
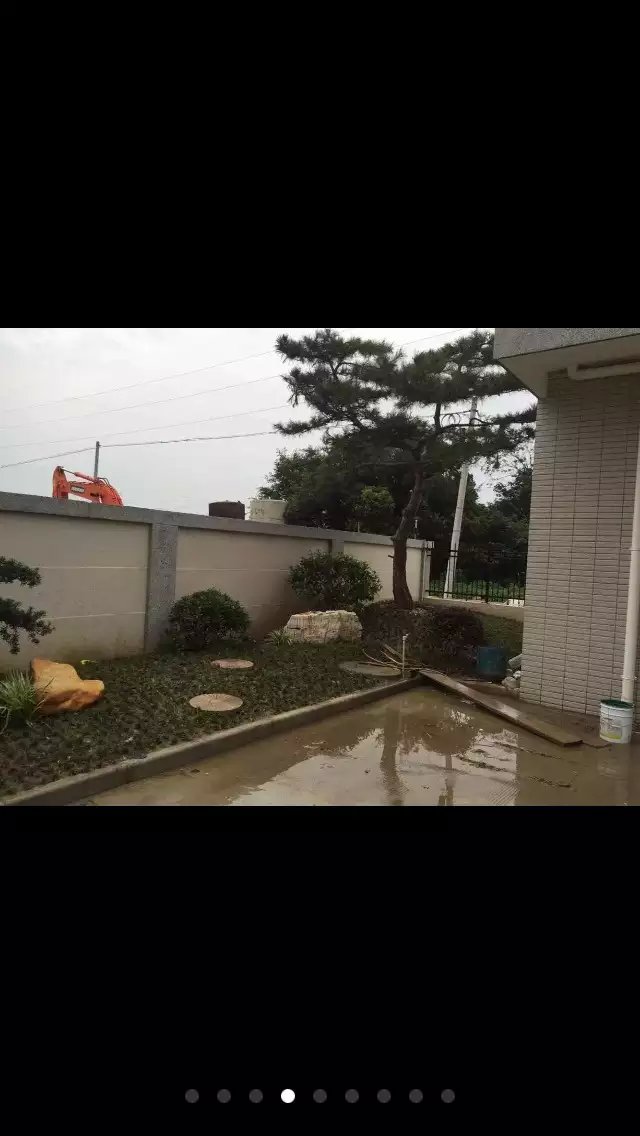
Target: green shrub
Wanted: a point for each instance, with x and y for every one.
(433, 631)
(385, 623)
(334, 583)
(19, 699)
(455, 632)
(204, 618)
(278, 639)
(14, 618)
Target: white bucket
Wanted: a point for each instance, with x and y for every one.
(616, 721)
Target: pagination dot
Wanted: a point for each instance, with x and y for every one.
(288, 1096)
(224, 1096)
(256, 1096)
(384, 1096)
(192, 1096)
(416, 1096)
(448, 1096)
(320, 1096)
(352, 1096)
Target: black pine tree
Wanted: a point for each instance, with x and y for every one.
(14, 618)
(408, 413)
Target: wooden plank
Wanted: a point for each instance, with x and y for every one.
(502, 709)
(595, 742)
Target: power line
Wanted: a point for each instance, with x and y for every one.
(127, 445)
(149, 382)
(139, 405)
(196, 394)
(181, 441)
(142, 383)
(146, 429)
(50, 457)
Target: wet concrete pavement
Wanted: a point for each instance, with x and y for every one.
(418, 748)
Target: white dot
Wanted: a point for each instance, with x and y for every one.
(288, 1096)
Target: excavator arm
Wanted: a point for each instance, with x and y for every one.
(96, 490)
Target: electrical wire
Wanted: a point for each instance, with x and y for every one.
(150, 382)
(146, 429)
(181, 441)
(182, 397)
(50, 457)
(128, 445)
(140, 405)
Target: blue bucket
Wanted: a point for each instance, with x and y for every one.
(491, 664)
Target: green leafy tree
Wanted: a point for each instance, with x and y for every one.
(14, 618)
(387, 411)
(374, 509)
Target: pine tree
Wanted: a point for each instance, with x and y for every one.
(13, 617)
(408, 413)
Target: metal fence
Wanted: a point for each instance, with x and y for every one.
(489, 574)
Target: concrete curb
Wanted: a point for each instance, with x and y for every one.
(71, 790)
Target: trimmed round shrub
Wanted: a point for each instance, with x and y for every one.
(334, 583)
(455, 632)
(204, 618)
(383, 622)
(433, 630)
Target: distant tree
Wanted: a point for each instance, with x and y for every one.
(390, 412)
(320, 490)
(374, 510)
(513, 498)
(328, 487)
(13, 617)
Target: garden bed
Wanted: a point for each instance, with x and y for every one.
(146, 707)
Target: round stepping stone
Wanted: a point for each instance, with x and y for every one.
(233, 664)
(216, 703)
(370, 670)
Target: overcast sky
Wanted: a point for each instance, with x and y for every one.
(51, 376)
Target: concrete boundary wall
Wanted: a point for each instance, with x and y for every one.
(111, 576)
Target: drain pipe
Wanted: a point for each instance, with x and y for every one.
(633, 603)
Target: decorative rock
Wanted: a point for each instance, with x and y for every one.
(512, 686)
(62, 688)
(216, 703)
(233, 664)
(321, 627)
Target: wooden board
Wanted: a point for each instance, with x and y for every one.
(502, 709)
(595, 742)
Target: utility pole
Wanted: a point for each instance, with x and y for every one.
(96, 466)
(457, 524)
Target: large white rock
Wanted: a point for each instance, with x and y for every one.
(324, 627)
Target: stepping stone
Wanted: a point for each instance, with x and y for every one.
(233, 664)
(216, 703)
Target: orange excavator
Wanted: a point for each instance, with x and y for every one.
(96, 490)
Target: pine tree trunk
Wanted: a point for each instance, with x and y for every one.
(401, 594)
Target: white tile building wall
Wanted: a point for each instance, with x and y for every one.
(580, 542)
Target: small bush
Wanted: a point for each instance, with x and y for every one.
(334, 583)
(14, 618)
(278, 639)
(455, 632)
(19, 699)
(433, 631)
(204, 618)
(385, 623)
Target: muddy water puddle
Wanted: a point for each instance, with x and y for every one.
(423, 747)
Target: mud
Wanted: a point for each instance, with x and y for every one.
(419, 748)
